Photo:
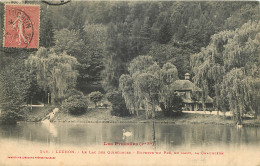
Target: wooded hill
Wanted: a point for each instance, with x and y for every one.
(94, 43)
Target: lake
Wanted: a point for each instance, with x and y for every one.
(100, 143)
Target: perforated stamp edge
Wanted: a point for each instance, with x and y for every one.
(38, 18)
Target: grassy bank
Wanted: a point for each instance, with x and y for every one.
(36, 114)
(102, 115)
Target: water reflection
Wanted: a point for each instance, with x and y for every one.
(51, 128)
(239, 147)
(167, 136)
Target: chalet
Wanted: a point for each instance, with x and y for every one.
(187, 90)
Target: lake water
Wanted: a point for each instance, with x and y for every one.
(179, 144)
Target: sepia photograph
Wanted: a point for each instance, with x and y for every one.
(129, 83)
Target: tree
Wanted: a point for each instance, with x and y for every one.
(115, 57)
(55, 73)
(165, 33)
(118, 104)
(173, 104)
(227, 69)
(86, 42)
(247, 11)
(140, 86)
(147, 85)
(175, 52)
(169, 74)
(68, 41)
(140, 64)
(76, 104)
(46, 30)
(146, 90)
(96, 97)
(14, 84)
(91, 59)
(239, 95)
(170, 103)
(126, 86)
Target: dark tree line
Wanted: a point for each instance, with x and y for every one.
(168, 31)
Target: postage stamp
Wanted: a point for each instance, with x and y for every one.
(21, 28)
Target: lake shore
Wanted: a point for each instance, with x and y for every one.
(102, 115)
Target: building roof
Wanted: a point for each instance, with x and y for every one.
(184, 85)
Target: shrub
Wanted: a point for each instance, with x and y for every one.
(69, 93)
(75, 105)
(12, 116)
(96, 97)
(118, 104)
(172, 106)
(73, 92)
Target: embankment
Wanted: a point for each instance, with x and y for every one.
(102, 115)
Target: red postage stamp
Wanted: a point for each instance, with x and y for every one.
(21, 26)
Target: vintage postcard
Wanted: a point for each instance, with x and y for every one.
(140, 83)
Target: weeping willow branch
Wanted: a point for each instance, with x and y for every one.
(54, 72)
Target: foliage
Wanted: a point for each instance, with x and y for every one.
(86, 44)
(175, 52)
(76, 104)
(141, 86)
(173, 104)
(72, 92)
(235, 80)
(168, 100)
(118, 104)
(96, 97)
(103, 39)
(167, 31)
(147, 84)
(15, 85)
(146, 90)
(68, 41)
(91, 59)
(69, 93)
(227, 69)
(55, 73)
(11, 116)
(46, 30)
(126, 86)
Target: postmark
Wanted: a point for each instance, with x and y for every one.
(56, 3)
(21, 28)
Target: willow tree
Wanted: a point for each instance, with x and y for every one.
(237, 88)
(147, 87)
(126, 86)
(55, 72)
(140, 87)
(228, 68)
(147, 84)
(140, 64)
(168, 75)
